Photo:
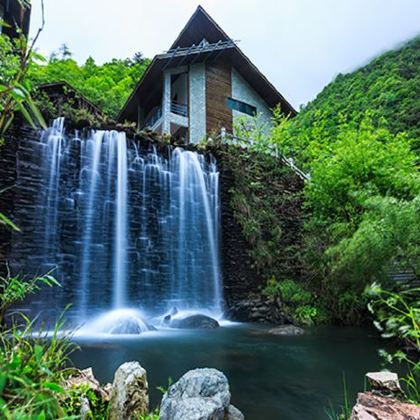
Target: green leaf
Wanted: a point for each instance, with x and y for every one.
(26, 115)
(38, 351)
(54, 387)
(6, 221)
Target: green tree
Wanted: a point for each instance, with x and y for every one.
(107, 86)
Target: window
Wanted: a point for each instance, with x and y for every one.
(241, 107)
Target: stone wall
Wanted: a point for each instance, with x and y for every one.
(240, 277)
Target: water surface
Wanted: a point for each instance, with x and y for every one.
(271, 377)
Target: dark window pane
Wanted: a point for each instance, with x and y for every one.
(241, 106)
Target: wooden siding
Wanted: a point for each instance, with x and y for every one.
(218, 89)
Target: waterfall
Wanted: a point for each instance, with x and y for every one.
(126, 226)
(120, 246)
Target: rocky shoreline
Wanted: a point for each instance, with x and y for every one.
(199, 394)
(204, 394)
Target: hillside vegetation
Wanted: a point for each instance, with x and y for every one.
(107, 86)
(359, 139)
(388, 89)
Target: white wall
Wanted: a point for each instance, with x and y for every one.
(197, 89)
(242, 91)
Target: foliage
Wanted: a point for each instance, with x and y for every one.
(387, 88)
(363, 200)
(290, 291)
(72, 403)
(15, 58)
(107, 86)
(266, 198)
(306, 314)
(32, 368)
(386, 240)
(13, 289)
(67, 106)
(397, 314)
(345, 409)
(299, 301)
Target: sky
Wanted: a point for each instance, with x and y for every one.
(300, 45)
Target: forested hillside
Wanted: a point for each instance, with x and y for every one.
(107, 85)
(360, 141)
(388, 89)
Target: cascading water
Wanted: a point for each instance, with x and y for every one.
(127, 228)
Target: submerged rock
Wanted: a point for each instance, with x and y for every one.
(129, 393)
(371, 406)
(201, 394)
(286, 330)
(195, 321)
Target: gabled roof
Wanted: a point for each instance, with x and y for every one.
(202, 26)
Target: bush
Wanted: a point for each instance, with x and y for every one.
(298, 300)
(397, 316)
(13, 289)
(289, 290)
(32, 368)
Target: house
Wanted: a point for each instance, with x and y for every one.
(64, 96)
(16, 14)
(200, 85)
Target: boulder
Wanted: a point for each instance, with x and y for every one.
(129, 392)
(195, 321)
(371, 406)
(286, 330)
(384, 382)
(86, 377)
(201, 394)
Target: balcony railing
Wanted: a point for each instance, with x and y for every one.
(152, 117)
(179, 109)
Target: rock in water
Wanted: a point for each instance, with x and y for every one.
(287, 330)
(201, 394)
(384, 382)
(195, 321)
(129, 393)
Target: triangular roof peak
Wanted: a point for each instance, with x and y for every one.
(200, 25)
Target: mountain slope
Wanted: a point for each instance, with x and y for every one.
(388, 88)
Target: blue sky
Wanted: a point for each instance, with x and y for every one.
(300, 45)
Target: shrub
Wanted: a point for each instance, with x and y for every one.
(397, 316)
(32, 367)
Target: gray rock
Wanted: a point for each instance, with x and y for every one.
(385, 382)
(286, 330)
(85, 411)
(86, 378)
(201, 394)
(234, 414)
(129, 393)
(195, 321)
